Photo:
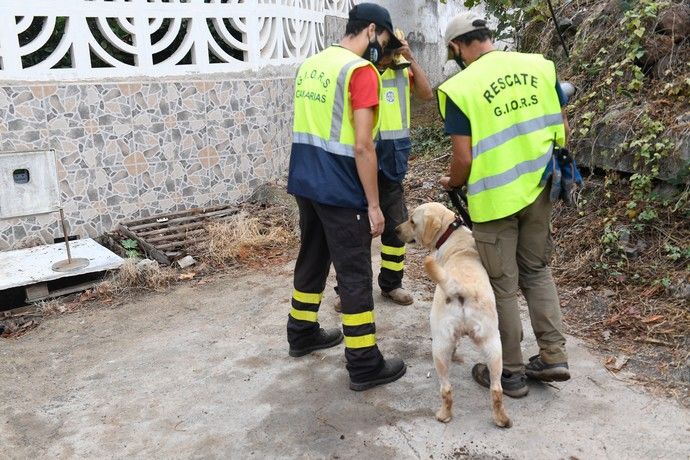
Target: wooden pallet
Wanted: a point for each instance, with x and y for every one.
(167, 237)
(63, 286)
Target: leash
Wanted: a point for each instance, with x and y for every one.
(457, 197)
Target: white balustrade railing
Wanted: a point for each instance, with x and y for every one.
(86, 39)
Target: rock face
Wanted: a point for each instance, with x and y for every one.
(665, 46)
(675, 22)
(611, 130)
(656, 47)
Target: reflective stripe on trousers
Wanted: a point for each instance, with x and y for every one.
(392, 258)
(359, 329)
(305, 306)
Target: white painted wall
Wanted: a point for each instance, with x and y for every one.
(262, 33)
(424, 23)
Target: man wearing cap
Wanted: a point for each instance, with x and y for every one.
(504, 114)
(333, 175)
(400, 79)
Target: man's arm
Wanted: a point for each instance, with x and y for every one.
(421, 88)
(458, 126)
(460, 163)
(367, 166)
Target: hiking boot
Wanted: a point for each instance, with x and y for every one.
(336, 305)
(391, 371)
(514, 384)
(399, 296)
(537, 369)
(322, 339)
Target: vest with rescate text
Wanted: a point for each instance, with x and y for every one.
(515, 116)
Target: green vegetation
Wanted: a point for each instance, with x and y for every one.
(131, 248)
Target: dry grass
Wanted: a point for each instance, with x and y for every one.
(621, 303)
(246, 239)
(52, 307)
(151, 276)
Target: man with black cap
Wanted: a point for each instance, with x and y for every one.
(504, 114)
(333, 175)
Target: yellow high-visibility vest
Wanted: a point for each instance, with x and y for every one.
(394, 105)
(322, 160)
(515, 117)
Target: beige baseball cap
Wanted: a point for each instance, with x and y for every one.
(462, 24)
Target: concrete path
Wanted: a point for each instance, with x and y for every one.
(203, 372)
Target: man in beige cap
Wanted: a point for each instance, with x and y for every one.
(504, 114)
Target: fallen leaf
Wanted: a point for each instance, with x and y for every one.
(617, 363)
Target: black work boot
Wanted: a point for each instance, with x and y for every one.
(537, 369)
(391, 371)
(322, 339)
(514, 384)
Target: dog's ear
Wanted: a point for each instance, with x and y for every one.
(431, 228)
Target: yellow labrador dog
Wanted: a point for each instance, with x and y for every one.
(464, 302)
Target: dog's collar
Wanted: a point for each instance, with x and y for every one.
(456, 224)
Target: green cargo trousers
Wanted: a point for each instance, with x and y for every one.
(515, 251)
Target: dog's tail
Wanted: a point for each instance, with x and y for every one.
(438, 274)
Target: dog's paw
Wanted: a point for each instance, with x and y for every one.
(443, 416)
(504, 422)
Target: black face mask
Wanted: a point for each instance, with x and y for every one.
(374, 51)
(458, 60)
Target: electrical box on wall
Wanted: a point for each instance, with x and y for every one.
(28, 183)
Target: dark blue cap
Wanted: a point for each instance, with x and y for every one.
(380, 16)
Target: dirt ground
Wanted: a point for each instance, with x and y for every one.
(203, 371)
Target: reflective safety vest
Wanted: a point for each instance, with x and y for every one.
(515, 116)
(322, 160)
(394, 105)
(393, 146)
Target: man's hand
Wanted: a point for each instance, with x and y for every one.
(376, 220)
(445, 183)
(405, 50)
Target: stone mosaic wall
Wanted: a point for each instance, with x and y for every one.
(131, 149)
